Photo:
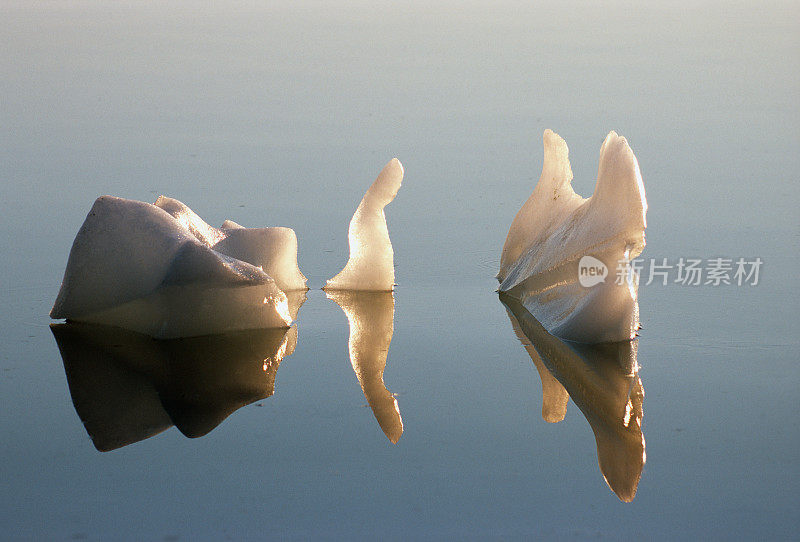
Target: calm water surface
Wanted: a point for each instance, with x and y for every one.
(283, 116)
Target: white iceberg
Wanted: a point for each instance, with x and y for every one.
(371, 263)
(273, 249)
(160, 270)
(557, 235)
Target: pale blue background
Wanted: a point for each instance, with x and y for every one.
(283, 115)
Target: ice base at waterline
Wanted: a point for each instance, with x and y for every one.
(158, 269)
(557, 235)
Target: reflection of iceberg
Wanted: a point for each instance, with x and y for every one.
(371, 318)
(127, 387)
(371, 263)
(554, 396)
(603, 381)
(556, 228)
(363, 290)
(160, 270)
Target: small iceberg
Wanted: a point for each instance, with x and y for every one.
(371, 263)
(127, 387)
(363, 290)
(603, 381)
(159, 269)
(371, 319)
(567, 258)
(273, 249)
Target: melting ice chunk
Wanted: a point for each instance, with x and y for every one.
(555, 234)
(272, 249)
(157, 269)
(371, 263)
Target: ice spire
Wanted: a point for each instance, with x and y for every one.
(371, 263)
(556, 231)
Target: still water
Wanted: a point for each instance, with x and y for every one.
(283, 115)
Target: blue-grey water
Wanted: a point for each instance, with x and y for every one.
(283, 115)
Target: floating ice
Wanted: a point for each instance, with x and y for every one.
(363, 290)
(371, 318)
(371, 263)
(603, 381)
(127, 387)
(559, 244)
(272, 249)
(160, 270)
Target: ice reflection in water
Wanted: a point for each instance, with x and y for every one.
(371, 318)
(127, 387)
(603, 381)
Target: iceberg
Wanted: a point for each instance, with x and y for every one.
(159, 269)
(273, 249)
(127, 387)
(363, 290)
(371, 262)
(603, 381)
(371, 319)
(567, 259)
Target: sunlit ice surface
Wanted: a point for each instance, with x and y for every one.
(603, 380)
(363, 290)
(272, 249)
(371, 262)
(162, 271)
(555, 234)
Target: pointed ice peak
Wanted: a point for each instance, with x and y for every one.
(552, 197)
(206, 234)
(556, 171)
(371, 262)
(230, 225)
(385, 187)
(556, 229)
(619, 181)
